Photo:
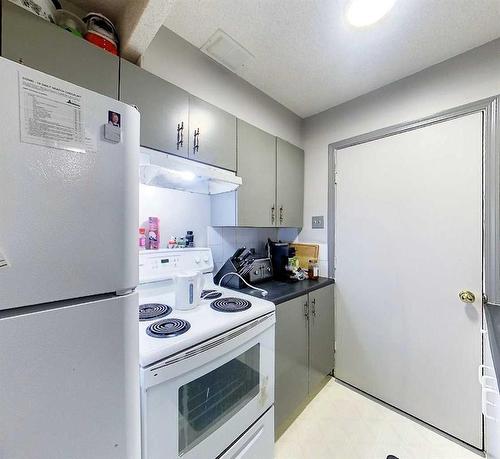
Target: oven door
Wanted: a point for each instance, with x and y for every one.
(198, 402)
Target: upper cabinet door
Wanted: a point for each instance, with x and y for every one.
(212, 134)
(290, 184)
(163, 107)
(30, 40)
(257, 168)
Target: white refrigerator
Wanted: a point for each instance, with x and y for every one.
(69, 384)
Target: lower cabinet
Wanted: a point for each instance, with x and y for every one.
(490, 403)
(304, 351)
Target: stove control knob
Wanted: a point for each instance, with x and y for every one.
(197, 260)
(205, 259)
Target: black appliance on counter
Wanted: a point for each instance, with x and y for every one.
(279, 253)
(252, 268)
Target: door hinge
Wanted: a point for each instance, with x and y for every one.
(336, 177)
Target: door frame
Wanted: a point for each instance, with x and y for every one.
(490, 109)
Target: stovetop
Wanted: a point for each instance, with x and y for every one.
(177, 330)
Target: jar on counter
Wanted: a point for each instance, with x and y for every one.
(313, 270)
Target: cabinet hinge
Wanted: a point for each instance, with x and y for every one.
(336, 177)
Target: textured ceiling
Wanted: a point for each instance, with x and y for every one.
(309, 59)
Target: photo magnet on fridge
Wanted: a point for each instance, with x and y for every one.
(113, 130)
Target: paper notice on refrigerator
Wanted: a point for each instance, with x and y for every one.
(51, 113)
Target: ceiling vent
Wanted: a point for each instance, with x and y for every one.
(226, 51)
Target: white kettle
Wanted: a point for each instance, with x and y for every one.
(188, 286)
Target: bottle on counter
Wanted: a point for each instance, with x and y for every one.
(153, 233)
(313, 270)
(142, 238)
(189, 239)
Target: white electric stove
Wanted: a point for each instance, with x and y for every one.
(207, 374)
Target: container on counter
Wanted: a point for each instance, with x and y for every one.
(153, 233)
(189, 239)
(142, 237)
(313, 270)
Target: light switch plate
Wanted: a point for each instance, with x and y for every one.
(318, 222)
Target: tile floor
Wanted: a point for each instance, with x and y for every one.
(343, 424)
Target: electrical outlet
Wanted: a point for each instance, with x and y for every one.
(318, 222)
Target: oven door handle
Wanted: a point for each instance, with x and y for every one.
(210, 344)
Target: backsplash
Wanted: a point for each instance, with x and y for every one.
(225, 240)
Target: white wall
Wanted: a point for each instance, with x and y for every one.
(177, 61)
(179, 211)
(465, 78)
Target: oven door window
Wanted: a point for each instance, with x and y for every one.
(209, 401)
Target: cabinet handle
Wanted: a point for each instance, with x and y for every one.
(306, 310)
(180, 134)
(196, 143)
(273, 217)
(485, 402)
(281, 215)
(314, 307)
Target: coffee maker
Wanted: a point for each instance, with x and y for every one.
(279, 253)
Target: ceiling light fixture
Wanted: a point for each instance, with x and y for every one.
(361, 13)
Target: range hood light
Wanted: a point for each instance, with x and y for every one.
(167, 171)
(188, 176)
(361, 13)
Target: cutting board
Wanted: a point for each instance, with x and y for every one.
(305, 252)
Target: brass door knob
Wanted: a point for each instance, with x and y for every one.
(467, 296)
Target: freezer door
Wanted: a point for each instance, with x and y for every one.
(69, 382)
(68, 216)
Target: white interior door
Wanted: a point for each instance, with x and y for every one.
(408, 239)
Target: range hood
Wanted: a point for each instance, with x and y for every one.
(169, 171)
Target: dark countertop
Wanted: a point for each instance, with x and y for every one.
(492, 313)
(279, 292)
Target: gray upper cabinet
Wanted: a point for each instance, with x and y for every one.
(321, 344)
(212, 134)
(289, 184)
(291, 357)
(164, 109)
(30, 40)
(257, 168)
(272, 193)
